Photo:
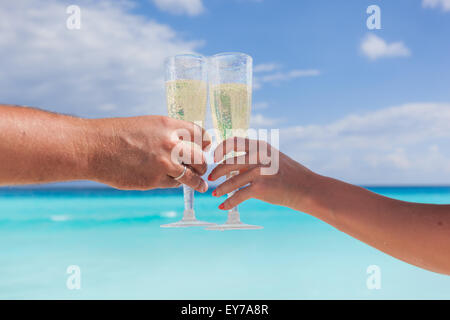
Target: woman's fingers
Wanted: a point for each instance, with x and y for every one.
(236, 182)
(257, 151)
(239, 197)
(233, 144)
(239, 164)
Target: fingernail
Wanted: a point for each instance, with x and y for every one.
(214, 193)
(204, 187)
(209, 178)
(221, 206)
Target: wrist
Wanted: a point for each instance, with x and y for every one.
(324, 198)
(97, 138)
(310, 193)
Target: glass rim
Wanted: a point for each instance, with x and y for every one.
(231, 53)
(185, 55)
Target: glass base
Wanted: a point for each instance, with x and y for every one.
(233, 226)
(189, 220)
(188, 223)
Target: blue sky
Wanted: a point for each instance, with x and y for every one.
(367, 106)
(326, 35)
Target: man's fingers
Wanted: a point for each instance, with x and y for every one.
(236, 182)
(190, 154)
(189, 178)
(200, 169)
(239, 197)
(189, 131)
(169, 182)
(194, 181)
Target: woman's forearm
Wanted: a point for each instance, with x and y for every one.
(38, 146)
(416, 233)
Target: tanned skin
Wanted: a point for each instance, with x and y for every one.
(136, 153)
(416, 233)
(125, 153)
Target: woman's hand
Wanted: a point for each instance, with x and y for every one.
(288, 184)
(413, 232)
(147, 152)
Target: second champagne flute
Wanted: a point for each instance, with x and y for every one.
(186, 92)
(230, 88)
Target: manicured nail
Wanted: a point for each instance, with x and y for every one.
(221, 206)
(214, 193)
(209, 178)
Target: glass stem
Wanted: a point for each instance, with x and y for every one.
(189, 213)
(233, 213)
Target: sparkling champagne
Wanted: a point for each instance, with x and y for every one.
(186, 99)
(230, 104)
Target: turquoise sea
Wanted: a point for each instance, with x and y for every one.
(115, 239)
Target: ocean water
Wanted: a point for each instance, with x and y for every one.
(115, 239)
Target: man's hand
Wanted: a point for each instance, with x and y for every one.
(141, 153)
(137, 153)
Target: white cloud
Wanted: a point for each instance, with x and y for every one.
(269, 73)
(258, 120)
(404, 144)
(444, 4)
(113, 66)
(189, 7)
(284, 76)
(265, 67)
(375, 47)
(260, 105)
(279, 76)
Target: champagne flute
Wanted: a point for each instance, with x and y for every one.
(186, 92)
(230, 89)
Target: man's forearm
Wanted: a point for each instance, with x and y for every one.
(416, 233)
(39, 147)
(133, 153)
